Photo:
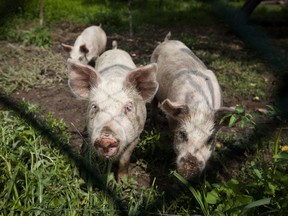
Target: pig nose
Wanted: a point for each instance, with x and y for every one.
(190, 167)
(107, 145)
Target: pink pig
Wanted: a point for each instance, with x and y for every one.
(117, 92)
(88, 45)
(191, 97)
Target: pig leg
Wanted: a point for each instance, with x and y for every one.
(125, 160)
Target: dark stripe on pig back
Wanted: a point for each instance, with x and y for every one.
(187, 74)
(198, 61)
(115, 65)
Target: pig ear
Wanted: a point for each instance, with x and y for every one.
(81, 78)
(84, 49)
(66, 47)
(144, 80)
(175, 110)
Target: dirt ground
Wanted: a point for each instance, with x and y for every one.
(58, 100)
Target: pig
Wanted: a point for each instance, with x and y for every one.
(117, 92)
(190, 96)
(88, 45)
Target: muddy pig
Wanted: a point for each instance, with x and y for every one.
(117, 91)
(88, 45)
(190, 96)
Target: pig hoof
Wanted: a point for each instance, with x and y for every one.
(189, 167)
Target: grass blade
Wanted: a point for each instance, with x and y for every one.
(254, 204)
(196, 193)
(276, 147)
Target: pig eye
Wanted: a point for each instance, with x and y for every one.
(210, 140)
(128, 108)
(182, 135)
(94, 108)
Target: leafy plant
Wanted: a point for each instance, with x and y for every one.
(38, 36)
(239, 115)
(149, 141)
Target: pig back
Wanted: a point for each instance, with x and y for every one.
(115, 60)
(94, 38)
(182, 75)
(176, 54)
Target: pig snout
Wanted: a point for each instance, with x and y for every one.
(107, 145)
(189, 167)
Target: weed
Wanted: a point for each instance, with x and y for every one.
(240, 116)
(39, 36)
(202, 202)
(32, 69)
(149, 141)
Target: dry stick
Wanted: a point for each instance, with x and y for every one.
(41, 16)
(130, 19)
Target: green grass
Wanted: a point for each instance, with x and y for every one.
(37, 176)
(114, 15)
